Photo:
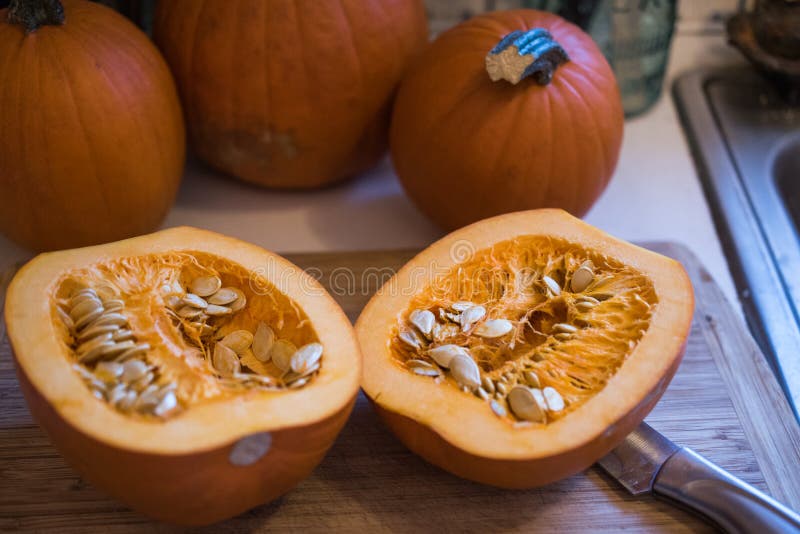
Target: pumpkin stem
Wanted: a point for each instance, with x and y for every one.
(521, 54)
(32, 14)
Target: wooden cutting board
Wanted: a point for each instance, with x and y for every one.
(723, 402)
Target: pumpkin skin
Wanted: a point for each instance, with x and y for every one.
(457, 431)
(289, 93)
(180, 470)
(466, 148)
(93, 138)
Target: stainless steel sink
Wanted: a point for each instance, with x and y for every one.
(745, 138)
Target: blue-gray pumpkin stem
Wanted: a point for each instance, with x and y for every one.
(521, 54)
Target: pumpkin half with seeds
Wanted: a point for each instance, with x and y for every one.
(520, 349)
(191, 375)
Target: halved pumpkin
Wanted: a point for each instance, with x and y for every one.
(191, 375)
(519, 350)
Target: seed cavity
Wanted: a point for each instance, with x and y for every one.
(122, 370)
(509, 326)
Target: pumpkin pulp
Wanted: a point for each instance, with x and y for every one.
(573, 342)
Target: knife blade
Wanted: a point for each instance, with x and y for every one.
(648, 462)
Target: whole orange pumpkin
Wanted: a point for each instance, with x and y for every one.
(466, 147)
(289, 93)
(92, 141)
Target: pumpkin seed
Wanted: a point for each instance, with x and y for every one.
(524, 405)
(582, 277)
(587, 298)
(539, 398)
(305, 357)
(531, 378)
(88, 318)
(281, 354)
(552, 285)
(122, 335)
(117, 394)
(127, 402)
(471, 316)
(502, 388)
(300, 382)
(190, 299)
(482, 393)
(173, 301)
(238, 340)
(563, 336)
(143, 383)
(96, 330)
(109, 318)
(419, 363)
(554, 400)
(422, 371)
(410, 338)
(92, 355)
(462, 305)
(80, 306)
(446, 316)
(113, 305)
(215, 310)
(136, 350)
(584, 306)
(240, 301)
(65, 318)
(106, 292)
(564, 328)
(487, 384)
(189, 312)
(224, 296)
(148, 398)
(83, 294)
(423, 320)
(444, 354)
(205, 286)
(225, 360)
(166, 405)
(494, 328)
(108, 371)
(263, 340)
(465, 371)
(133, 370)
(309, 371)
(498, 408)
(93, 343)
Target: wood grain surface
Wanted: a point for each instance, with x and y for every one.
(723, 402)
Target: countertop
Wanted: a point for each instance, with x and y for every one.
(654, 195)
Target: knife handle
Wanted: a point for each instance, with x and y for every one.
(735, 506)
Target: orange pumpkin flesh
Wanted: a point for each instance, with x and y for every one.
(93, 137)
(229, 445)
(610, 372)
(285, 93)
(466, 147)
